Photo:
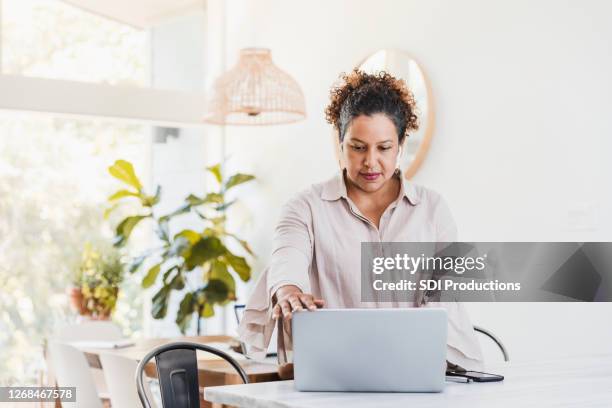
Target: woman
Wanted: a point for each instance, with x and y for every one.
(316, 249)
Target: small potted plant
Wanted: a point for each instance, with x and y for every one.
(99, 277)
(75, 294)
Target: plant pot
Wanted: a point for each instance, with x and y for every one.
(101, 308)
(77, 301)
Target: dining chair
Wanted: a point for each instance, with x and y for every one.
(177, 373)
(121, 381)
(495, 339)
(72, 370)
(94, 330)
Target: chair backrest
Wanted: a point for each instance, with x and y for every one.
(177, 372)
(72, 370)
(88, 331)
(495, 339)
(239, 312)
(119, 373)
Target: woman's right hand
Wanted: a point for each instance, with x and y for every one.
(290, 299)
(287, 300)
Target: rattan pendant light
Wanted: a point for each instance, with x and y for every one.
(255, 92)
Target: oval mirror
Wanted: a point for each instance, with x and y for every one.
(401, 65)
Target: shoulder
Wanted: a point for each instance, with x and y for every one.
(313, 202)
(313, 195)
(303, 202)
(437, 211)
(306, 196)
(423, 196)
(430, 201)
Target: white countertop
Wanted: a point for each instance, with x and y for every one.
(583, 382)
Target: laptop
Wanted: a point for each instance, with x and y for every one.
(370, 350)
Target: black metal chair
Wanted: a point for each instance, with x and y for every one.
(177, 372)
(495, 340)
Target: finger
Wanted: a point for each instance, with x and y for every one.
(295, 303)
(276, 311)
(319, 302)
(287, 321)
(308, 302)
(286, 308)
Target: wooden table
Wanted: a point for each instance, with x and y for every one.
(210, 372)
(582, 382)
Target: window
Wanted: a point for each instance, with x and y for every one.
(53, 172)
(53, 190)
(51, 39)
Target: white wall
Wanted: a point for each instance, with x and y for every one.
(178, 63)
(522, 97)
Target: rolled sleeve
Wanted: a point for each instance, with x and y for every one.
(289, 265)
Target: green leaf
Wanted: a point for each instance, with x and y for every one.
(150, 201)
(237, 179)
(209, 232)
(157, 195)
(216, 291)
(207, 311)
(213, 198)
(190, 235)
(225, 206)
(186, 305)
(178, 282)
(218, 220)
(194, 200)
(124, 171)
(243, 244)
(110, 210)
(218, 271)
(185, 208)
(136, 263)
(179, 247)
(239, 265)
(162, 231)
(216, 171)
(205, 249)
(122, 193)
(151, 276)
(185, 311)
(125, 227)
(167, 275)
(159, 306)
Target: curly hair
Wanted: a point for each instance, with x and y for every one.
(360, 93)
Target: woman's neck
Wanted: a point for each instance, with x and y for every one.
(373, 203)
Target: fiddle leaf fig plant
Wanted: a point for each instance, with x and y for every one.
(202, 251)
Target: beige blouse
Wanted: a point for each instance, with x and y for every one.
(317, 247)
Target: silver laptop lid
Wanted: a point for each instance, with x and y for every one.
(386, 350)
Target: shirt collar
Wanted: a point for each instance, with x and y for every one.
(335, 189)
